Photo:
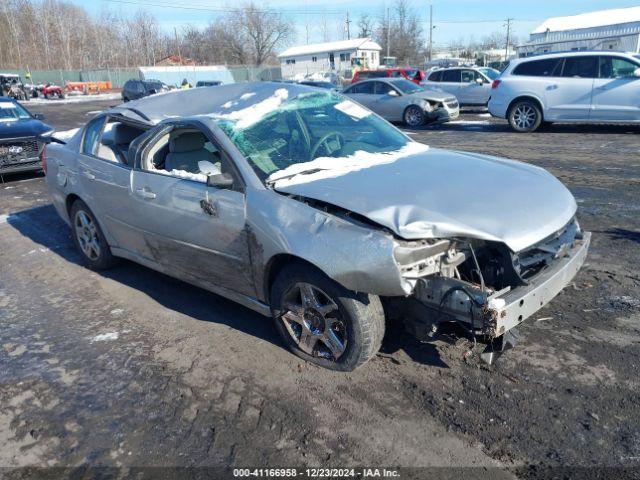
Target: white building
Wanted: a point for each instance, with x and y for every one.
(617, 29)
(328, 57)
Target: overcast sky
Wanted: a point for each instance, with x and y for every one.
(454, 19)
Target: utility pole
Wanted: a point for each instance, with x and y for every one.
(388, 31)
(430, 31)
(506, 47)
(175, 32)
(348, 31)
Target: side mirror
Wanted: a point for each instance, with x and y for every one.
(479, 81)
(636, 73)
(392, 93)
(38, 116)
(220, 180)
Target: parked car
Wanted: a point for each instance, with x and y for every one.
(22, 137)
(135, 89)
(208, 83)
(11, 85)
(306, 207)
(470, 85)
(413, 74)
(399, 100)
(581, 87)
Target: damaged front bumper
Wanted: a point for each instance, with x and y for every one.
(438, 299)
(513, 307)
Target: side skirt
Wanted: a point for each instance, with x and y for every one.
(244, 300)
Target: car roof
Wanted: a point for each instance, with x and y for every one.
(571, 53)
(224, 99)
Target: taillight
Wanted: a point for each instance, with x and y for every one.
(495, 83)
(43, 159)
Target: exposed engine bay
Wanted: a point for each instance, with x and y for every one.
(482, 284)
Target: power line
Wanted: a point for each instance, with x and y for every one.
(200, 7)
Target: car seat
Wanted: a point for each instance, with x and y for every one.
(186, 150)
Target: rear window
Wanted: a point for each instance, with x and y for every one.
(539, 68)
(366, 87)
(379, 74)
(580, 67)
(451, 76)
(435, 77)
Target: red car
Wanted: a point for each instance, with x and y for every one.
(414, 74)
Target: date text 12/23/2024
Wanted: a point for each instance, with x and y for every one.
(316, 472)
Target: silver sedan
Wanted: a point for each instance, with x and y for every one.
(306, 207)
(399, 100)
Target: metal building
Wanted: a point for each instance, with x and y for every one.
(616, 29)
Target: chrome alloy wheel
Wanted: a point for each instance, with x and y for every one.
(413, 117)
(87, 235)
(313, 320)
(524, 116)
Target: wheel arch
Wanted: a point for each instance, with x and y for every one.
(529, 97)
(276, 264)
(69, 201)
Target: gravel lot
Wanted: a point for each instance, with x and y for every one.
(132, 368)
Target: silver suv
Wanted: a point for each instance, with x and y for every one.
(586, 87)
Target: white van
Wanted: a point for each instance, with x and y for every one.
(588, 87)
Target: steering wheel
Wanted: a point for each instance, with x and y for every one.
(324, 142)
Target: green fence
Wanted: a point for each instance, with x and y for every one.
(117, 76)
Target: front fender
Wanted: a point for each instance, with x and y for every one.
(357, 256)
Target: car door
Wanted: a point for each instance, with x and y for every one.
(616, 91)
(568, 96)
(386, 101)
(450, 82)
(105, 184)
(191, 230)
(362, 92)
(474, 88)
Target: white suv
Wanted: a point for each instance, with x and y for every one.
(589, 87)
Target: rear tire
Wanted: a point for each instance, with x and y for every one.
(525, 116)
(89, 239)
(324, 323)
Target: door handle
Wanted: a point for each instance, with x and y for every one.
(145, 193)
(88, 174)
(552, 87)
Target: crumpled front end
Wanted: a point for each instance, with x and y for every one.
(483, 285)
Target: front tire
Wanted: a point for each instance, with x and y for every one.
(89, 239)
(525, 116)
(324, 323)
(414, 116)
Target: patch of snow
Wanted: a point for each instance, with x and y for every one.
(197, 177)
(246, 96)
(65, 134)
(352, 109)
(331, 167)
(251, 115)
(116, 311)
(485, 115)
(93, 112)
(76, 99)
(104, 337)
(590, 20)
(469, 122)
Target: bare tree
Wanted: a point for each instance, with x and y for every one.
(365, 26)
(405, 33)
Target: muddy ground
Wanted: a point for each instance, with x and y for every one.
(130, 368)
